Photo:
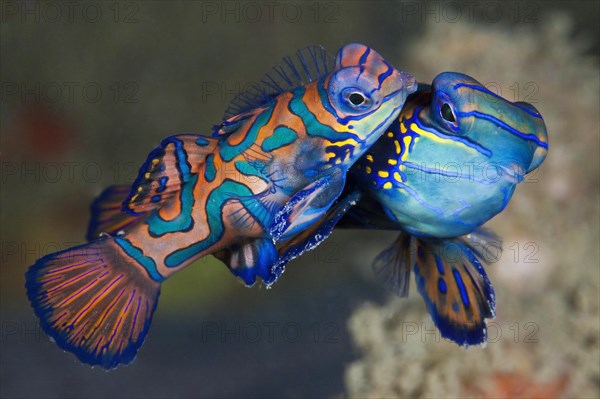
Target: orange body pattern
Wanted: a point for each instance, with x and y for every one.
(266, 174)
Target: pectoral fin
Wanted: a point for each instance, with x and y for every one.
(306, 207)
(313, 235)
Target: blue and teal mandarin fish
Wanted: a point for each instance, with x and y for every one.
(268, 172)
(447, 165)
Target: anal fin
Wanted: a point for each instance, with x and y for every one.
(455, 287)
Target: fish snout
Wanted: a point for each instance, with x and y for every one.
(540, 132)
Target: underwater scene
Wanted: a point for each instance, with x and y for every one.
(361, 199)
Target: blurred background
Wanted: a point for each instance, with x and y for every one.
(89, 88)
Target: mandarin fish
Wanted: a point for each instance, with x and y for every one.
(447, 165)
(268, 172)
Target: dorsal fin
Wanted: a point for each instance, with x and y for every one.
(307, 65)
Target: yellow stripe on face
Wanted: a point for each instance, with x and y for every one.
(370, 157)
(397, 177)
(424, 133)
(387, 185)
(368, 169)
(383, 173)
(392, 161)
(397, 144)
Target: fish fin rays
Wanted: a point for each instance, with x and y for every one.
(312, 236)
(307, 65)
(168, 167)
(455, 287)
(393, 265)
(107, 216)
(94, 301)
(307, 206)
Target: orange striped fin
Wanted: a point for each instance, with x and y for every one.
(94, 300)
(455, 287)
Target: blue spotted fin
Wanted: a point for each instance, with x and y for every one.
(308, 65)
(107, 216)
(94, 300)
(455, 287)
(312, 236)
(169, 166)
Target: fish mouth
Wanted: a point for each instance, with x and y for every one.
(411, 83)
(513, 174)
(406, 85)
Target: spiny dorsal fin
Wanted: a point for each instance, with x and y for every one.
(307, 65)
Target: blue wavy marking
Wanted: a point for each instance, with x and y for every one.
(228, 151)
(181, 156)
(137, 254)
(464, 140)
(414, 193)
(313, 126)
(281, 137)
(491, 93)
(228, 190)
(157, 226)
(383, 76)
(361, 62)
(254, 168)
(505, 126)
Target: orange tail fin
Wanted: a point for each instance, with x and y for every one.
(94, 300)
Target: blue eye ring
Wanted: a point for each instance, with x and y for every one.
(356, 99)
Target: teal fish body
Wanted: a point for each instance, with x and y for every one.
(454, 157)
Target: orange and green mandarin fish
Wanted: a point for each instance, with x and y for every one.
(267, 174)
(447, 165)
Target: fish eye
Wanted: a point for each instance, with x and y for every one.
(356, 98)
(447, 113)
